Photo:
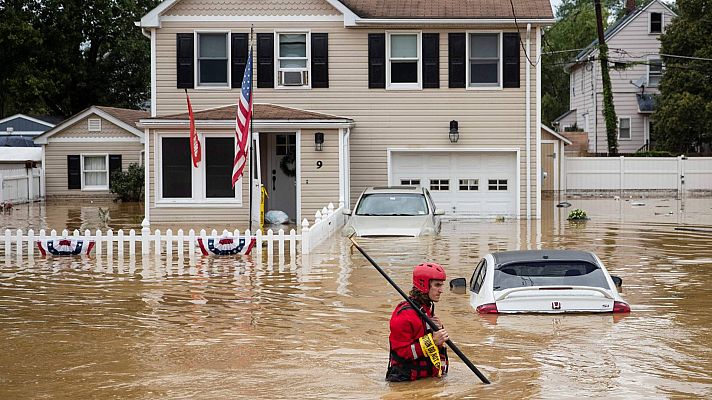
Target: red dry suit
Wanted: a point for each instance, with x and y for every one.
(407, 361)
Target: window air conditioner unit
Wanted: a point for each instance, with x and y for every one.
(293, 78)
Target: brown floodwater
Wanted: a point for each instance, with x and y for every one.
(317, 326)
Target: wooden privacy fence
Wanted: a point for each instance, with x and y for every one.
(327, 222)
(20, 185)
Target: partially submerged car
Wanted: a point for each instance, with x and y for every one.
(393, 211)
(544, 281)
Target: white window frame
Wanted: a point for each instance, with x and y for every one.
(498, 185)
(410, 182)
(419, 46)
(277, 69)
(662, 68)
(630, 128)
(89, 126)
(196, 52)
(440, 184)
(477, 184)
(90, 188)
(479, 86)
(650, 22)
(198, 198)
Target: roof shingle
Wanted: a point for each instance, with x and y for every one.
(450, 9)
(259, 112)
(130, 117)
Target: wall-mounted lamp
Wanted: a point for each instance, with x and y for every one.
(454, 134)
(319, 141)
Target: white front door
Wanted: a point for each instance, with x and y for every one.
(279, 177)
(462, 183)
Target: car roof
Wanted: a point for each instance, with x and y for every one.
(507, 257)
(393, 189)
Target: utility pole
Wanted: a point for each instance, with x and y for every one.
(609, 111)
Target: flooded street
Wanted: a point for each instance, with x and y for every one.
(317, 327)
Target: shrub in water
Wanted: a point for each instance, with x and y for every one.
(577, 215)
(128, 185)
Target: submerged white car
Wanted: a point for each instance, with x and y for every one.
(544, 281)
(393, 211)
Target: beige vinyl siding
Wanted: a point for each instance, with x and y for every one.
(80, 129)
(56, 162)
(320, 186)
(198, 215)
(253, 8)
(383, 118)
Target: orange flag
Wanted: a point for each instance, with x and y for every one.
(194, 141)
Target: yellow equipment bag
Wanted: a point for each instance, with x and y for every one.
(431, 350)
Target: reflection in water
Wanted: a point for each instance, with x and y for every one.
(195, 327)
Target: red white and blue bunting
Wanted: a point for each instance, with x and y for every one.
(225, 245)
(65, 247)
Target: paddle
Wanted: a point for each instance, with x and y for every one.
(422, 314)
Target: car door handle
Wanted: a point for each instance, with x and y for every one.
(274, 180)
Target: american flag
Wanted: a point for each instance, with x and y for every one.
(242, 122)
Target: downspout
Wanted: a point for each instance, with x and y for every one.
(538, 125)
(342, 176)
(528, 125)
(347, 170)
(146, 175)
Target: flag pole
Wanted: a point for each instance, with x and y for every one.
(251, 155)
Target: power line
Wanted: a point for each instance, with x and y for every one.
(520, 38)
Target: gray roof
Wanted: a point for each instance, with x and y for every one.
(564, 115)
(507, 257)
(646, 102)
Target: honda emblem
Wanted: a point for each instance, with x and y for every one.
(555, 305)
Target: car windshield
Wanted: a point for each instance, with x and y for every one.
(555, 273)
(392, 204)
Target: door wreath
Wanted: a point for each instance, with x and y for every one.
(288, 164)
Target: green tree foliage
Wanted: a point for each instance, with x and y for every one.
(683, 119)
(70, 54)
(128, 185)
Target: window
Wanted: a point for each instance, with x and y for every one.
(94, 125)
(469, 184)
(551, 273)
(392, 204)
(624, 128)
(439, 184)
(480, 277)
(219, 155)
(485, 60)
(403, 67)
(95, 172)
(286, 144)
(656, 22)
(292, 59)
(475, 274)
(497, 184)
(212, 59)
(655, 72)
(176, 173)
(410, 182)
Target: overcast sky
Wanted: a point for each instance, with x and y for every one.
(554, 4)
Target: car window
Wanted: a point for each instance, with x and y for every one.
(475, 274)
(480, 279)
(432, 203)
(390, 204)
(554, 273)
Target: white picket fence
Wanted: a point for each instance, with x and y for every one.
(20, 185)
(327, 222)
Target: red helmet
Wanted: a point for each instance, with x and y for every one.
(424, 273)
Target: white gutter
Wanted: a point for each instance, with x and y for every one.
(528, 125)
(538, 125)
(257, 124)
(442, 21)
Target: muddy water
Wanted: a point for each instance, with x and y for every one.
(317, 327)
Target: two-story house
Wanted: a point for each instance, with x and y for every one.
(636, 69)
(348, 94)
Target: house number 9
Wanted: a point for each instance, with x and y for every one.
(319, 164)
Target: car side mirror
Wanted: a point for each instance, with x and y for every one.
(618, 282)
(458, 285)
(439, 211)
(346, 211)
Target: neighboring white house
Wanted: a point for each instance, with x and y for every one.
(636, 69)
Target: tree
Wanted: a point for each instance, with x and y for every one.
(76, 54)
(683, 119)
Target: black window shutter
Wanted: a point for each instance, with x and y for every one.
(74, 177)
(114, 165)
(431, 60)
(510, 52)
(184, 65)
(377, 60)
(456, 59)
(239, 57)
(265, 60)
(320, 60)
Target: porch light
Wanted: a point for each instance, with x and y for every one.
(319, 141)
(454, 134)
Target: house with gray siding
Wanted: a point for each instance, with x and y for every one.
(636, 70)
(26, 126)
(348, 94)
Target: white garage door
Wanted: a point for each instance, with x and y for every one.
(462, 183)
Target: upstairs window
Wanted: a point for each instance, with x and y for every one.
(624, 128)
(292, 59)
(656, 22)
(485, 60)
(212, 59)
(655, 72)
(403, 67)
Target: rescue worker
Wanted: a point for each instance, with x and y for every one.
(415, 351)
